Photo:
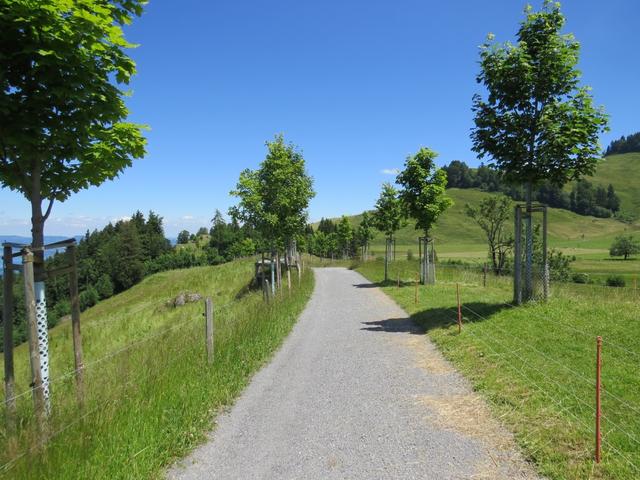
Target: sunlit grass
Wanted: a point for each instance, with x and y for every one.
(535, 364)
(152, 401)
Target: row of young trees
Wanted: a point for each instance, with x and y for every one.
(585, 198)
(120, 255)
(421, 195)
(340, 239)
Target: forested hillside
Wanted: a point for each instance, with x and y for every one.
(629, 144)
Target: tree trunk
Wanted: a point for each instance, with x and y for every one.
(386, 260)
(37, 247)
(528, 267)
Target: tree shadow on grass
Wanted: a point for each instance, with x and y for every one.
(432, 318)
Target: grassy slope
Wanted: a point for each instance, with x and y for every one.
(455, 232)
(621, 172)
(535, 364)
(588, 238)
(457, 236)
(151, 401)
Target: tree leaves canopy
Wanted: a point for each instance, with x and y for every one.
(389, 215)
(537, 122)
(423, 189)
(62, 114)
(274, 199)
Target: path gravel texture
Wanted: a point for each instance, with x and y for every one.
(356, 392)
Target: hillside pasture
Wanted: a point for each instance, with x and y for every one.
(150, 395)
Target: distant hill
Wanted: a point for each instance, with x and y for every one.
(456, 233)
(623, 172)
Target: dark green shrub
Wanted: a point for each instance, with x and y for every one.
(580, 278)
(616, 281)
(88, 298)
(104, 286)
(59, 310)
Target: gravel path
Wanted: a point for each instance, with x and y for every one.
(355, 392)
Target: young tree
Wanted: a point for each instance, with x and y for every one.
(491, 215)
(536, 123)
(624, 246)
(274, 199)
(128, 266)
(613, 201)
(63, 121)
(364, 234)
(423, 193)
(344, 233)
(388, 217)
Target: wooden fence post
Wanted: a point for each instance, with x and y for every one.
(75, 324)
(484, 275)
(208, 313)
(278, 272)
(416, 291)
(7, 318)
(32, 329)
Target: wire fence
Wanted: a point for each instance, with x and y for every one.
(556, 359)
(137, 364)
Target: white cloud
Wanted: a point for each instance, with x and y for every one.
(390, 171)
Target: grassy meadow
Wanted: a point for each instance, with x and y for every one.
(457, 237)
(151, 395)
(535, 364)
(588, 238)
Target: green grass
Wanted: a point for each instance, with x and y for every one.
(535, 364)
(458, 237)
(618, 170)
(152, 400)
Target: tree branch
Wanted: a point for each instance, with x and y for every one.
(48, 212)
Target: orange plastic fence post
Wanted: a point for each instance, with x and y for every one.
(459, 308)
(598, 404)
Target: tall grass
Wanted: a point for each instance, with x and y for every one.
(151, 395)
(535, 364)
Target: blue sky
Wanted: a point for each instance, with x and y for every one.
(358, 85)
